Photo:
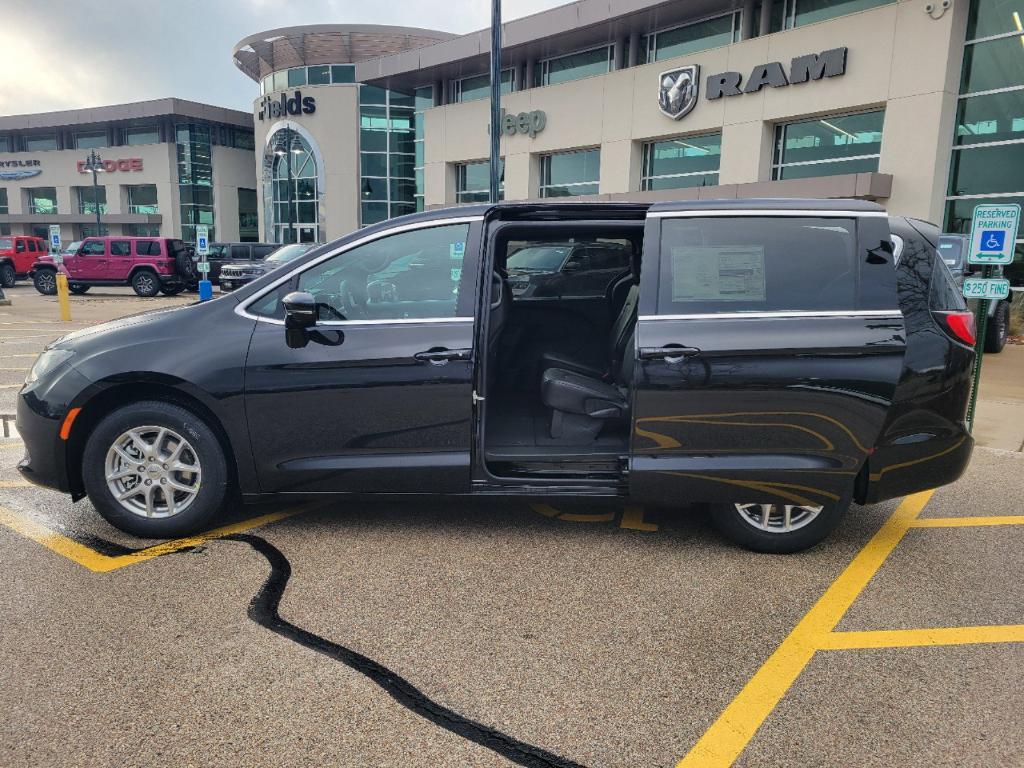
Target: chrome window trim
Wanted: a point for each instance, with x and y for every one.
(779, 313)
(767, 212)
(395, 321)
(241, 308)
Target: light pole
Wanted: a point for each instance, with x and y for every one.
(286, 148)
(495, 151)
(95, 164)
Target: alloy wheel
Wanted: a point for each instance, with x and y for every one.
(144, 283)
(777, 518)
(153, 472)
(47, 280)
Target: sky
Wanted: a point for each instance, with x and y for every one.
(67, 54)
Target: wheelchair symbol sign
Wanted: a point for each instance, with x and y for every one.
(992, 241)
(993, 233)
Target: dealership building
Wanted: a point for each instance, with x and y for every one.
(165, 166)
(917, 105)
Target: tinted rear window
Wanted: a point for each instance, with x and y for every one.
(951, 251)
(943, 294)
(147, 247)
(757, 264)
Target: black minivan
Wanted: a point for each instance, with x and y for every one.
(776, 359)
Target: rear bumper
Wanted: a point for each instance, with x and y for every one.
(929, 461)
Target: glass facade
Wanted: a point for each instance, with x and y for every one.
(573, 66)
(3, 200)
(141, 134)
(473, 182)
(5, 143)
(248, 216)
(690, 38)
(195, 178)
(89, 197)
(42, 200)
(387, 154)
(828, 146)
(423, 99)
(84, 231)
(91, 140)
(319, 74)
(295, 192)
(787, 14)
(567, 174)
(987, 164)
(40, 142)
(691, 161)
(142, 198)
(479, 86)
(142, 230)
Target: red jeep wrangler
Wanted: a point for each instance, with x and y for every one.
(17, 255)
(150, 265)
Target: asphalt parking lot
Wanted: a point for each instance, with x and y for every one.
(383, 633)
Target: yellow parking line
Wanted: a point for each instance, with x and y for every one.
(728, 736)
(910, 638)
(15, 484)
(633, 519)
(100, 563)
(966, 522)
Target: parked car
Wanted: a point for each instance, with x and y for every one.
(150, 265)
(953, 249)
(553, 269)
(235, 253)
(776, 359)
(240, 273)
(17, 255)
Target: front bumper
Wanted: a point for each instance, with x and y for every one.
(231, 282)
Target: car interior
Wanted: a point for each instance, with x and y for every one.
(562, 318)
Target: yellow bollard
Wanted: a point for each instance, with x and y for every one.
(62, 297)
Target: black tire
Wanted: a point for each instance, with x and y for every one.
(145, 283)
(78, 289)
(730, 522)
(186, 266)
(997, 329)
(169, 290)
(205, 508)
(45, 281)
(8, 276)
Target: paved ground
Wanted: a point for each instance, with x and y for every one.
(471, 633)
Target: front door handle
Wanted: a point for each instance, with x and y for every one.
(670, 353)
(441, 355)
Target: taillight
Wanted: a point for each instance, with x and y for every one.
(959, 325)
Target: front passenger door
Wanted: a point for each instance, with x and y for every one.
(380, 399)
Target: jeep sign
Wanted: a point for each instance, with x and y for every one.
(526, 123)
(802, 69)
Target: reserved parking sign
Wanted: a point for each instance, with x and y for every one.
(993, 234)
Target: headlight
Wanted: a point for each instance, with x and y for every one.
(46, 363)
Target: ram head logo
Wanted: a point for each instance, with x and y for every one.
(677, 90)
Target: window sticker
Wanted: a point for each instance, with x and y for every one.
(718, 273)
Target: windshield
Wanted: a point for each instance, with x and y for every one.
(288, 252)
(6, 243)
(71, 248)
(542, 257)
(951, 250)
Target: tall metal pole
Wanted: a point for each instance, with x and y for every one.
(291, 223)
(495, 157)
(94, 161)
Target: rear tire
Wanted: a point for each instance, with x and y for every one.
(145, 283)
(998, 328)
(45, 281)
(78, 288)
(105, 471)
(744, 527)
(7, 275)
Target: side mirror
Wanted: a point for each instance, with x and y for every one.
(299, 310)
(572, 266)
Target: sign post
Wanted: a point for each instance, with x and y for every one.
(203, 252)
(63, 299)
(993, 238)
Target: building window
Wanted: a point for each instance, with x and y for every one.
(295, 195)
(388, 154)
(319, 74)
(479, 86)
(828, 146)
(142, 230)
(691, 161)
(41, 142)
(89, 197)
(5, 143)
(91, 139)
(142, 199)
(84, 231)
(787, 14)
(141, 134)
(195, 178)
(987, 163)
(423, 99)
(690, 38)
(243, 139)
(42, 200)
(473, 182)
(3, 201)
(248, 216)
(567, 174)
(574, 66)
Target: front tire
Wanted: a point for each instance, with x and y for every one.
(155, 470)
(145, 284)
(8, 276)
(45, 281)
(778, 528)
(997, 330)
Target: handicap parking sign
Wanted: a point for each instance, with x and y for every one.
(994, 229)
(992, 240)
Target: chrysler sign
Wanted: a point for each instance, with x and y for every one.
(678, 88)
